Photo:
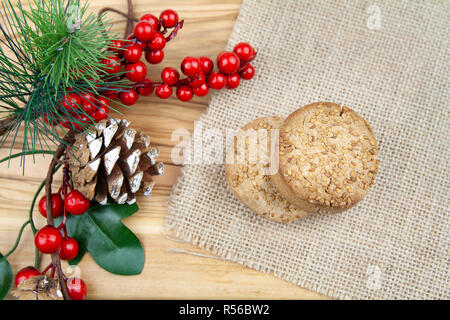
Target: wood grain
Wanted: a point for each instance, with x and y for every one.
(208, 24)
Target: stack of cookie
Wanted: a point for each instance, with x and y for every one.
(321, 158)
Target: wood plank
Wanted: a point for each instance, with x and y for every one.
(208, 24)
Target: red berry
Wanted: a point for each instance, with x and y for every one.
(112, 96)
(83, 121)
(184, 93)
(248, 72)
(206, 64)
(197, 81)
(157, 42)
(48, 239)
(111, 93)
(169, 18)
(154, 57)
(90, 97)
(233, 81)
(100, 114)
(116, 46)
(143, 31)
(136, 72)
(71, 102)
(88, 102)
(132, 53)
(217, 80)
(65, 123)
(154, 21)
(76, 288)
(112, 65)
(244, 51)
(102, 110)
(57, 205)
(129, 98)
(75, 203)
(163, 91)
(202, 90)
(228, 62)
(147, 89)
(25, 274)
(170, 76)
(190, 66)
(141, 44)
(88, 107)
(102, 101)
(69, 249)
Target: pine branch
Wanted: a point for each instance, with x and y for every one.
(46, 50)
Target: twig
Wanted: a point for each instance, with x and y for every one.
(68, 140)
(6, 123)
(131, 18)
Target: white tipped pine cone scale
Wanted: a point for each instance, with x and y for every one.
(112, 159)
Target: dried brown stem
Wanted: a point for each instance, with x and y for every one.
(130, 21)
(131, 18)
(68, 140)
(7, 123)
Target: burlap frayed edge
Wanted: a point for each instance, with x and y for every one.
(175, 230)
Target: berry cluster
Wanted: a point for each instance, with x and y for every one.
(200, 77)
(51, 239)
(123, 56)
(93, 106)
(149, 40)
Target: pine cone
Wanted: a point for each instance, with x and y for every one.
(38, 288)
(112, 158)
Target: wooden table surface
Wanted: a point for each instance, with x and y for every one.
(208, 24)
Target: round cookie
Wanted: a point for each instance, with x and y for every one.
(328, 158)
(249, 168)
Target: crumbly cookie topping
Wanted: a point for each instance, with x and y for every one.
(255, 184)
(331, 156)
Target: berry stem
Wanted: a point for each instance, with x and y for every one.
(47, 268)
(68, 140)
(30, 217)
(160, 25)
(174, 32)
(243, 66)
(181, 82)
(65, 185)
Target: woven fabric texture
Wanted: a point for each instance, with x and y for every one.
(389, 61)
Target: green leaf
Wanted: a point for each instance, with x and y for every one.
(111, 244)
(6, 277)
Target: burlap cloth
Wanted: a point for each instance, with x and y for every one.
(389, 61)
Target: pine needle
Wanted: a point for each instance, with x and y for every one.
(47, 49)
